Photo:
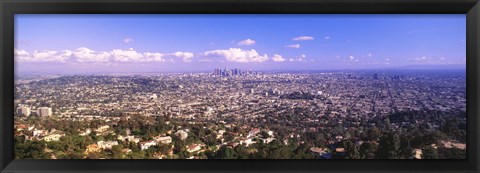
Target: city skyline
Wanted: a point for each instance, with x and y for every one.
(232, 113)
(198, 43)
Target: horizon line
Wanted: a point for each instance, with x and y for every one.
(421, 67)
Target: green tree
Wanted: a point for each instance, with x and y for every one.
(389, 146)
(183, 154)
(302, 152)
(429, 152)
(368, 150)
(405, 150)
(116, 152)
(374, 133)
(226, 153)
(352, 150)
(452, 153)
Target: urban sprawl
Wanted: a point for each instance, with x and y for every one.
(243, 114)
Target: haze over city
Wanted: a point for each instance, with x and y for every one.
(71, 44)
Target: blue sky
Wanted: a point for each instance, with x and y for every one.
(165, 43)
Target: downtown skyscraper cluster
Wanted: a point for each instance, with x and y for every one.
(232, 72)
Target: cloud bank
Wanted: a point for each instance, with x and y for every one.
(238, 55)
(86, 55)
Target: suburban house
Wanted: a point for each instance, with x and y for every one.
(147, 144)
(163, 139)
(107, 144)
(53, 137)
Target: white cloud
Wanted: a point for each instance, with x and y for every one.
(387, 59)
(127, 40)
(51, 56)
(351, 59)
(327, 37)
(157, 57)
(278, 58)
(246, 42)
(185, 56)
(369, 54)
(295, 46)
(129, 55)
(21, 55)
(421, 58)
(84, 54)
(303, 38)
(238, 55)
(299, 58)
(42, 56)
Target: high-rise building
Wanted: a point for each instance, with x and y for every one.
(235, 71)
(231, 72)
(23, 110)
(225, 72)
(44, 111)
(217, 72)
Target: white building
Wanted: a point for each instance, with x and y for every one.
(37, 133)
(268, 140)
(106, 144)
(418, 153)
(23, 110)
(44, 111)
(130, 138)
(247, 142)
(194, 148)
(85, 133)
(102, 129)
(147, 144)
(163, 139)
(53, 137)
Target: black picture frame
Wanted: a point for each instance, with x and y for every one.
(9, 8)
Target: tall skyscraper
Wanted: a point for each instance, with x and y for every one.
(217, 72)
(225, 72)
(235, 71)
(232, 72)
